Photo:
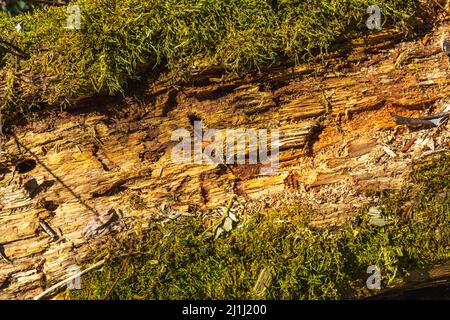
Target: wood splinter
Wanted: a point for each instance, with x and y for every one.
(44, 225)
(3, 256)
(431, 121)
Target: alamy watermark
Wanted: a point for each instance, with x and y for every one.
(75, 282)
(74, 18)
(374, 281)
(374, 20)
(229, 146)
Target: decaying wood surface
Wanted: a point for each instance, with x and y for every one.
(103, 169)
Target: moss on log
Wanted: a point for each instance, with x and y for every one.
(47, 63)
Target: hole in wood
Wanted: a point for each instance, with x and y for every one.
(26, 166)
(193, 118)
(49, 205)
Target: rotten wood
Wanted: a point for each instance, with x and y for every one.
(334, 125)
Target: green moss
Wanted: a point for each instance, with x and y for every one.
(117, 37)
(176, 262)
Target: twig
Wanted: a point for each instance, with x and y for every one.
(44, 225)
(224, 216)
(122, 268)
(4, 257)
(408, 144)
(432, 152)
(420, 121)
(443, 8)
(14, 49)
(64, 282)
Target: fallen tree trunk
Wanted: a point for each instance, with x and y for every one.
(110, 166)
